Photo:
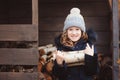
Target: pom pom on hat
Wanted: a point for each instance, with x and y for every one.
(75, 11)
(74, 19)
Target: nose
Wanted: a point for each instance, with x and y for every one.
(73, 32)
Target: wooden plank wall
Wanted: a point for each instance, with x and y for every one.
(3, 12)
(15, 11)
(18, 76)
(18, 41)
(96, 14)
(18, 32)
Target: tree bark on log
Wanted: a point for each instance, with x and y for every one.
(74, 57)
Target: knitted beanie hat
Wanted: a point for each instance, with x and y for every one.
(74, 19)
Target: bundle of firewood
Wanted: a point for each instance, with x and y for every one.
(47, 53)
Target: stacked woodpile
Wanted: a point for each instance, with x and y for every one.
(45, 63)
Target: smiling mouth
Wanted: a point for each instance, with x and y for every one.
(74, 36)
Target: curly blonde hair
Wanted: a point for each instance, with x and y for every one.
(67, 42)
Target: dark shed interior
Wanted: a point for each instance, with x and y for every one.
(97, 15)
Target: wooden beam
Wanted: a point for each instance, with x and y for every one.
(110, 4)
(35, 12)
(16, 56)
(97, 23)
(56, 10)
(18, 76)
(18, 32)
(115, 40)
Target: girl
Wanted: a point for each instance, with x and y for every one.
(75, 38)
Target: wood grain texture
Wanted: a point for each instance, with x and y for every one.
(18, 32)
(18, 76)
(16, 56)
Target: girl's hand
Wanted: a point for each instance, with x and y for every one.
(88, 50)
(59, 57)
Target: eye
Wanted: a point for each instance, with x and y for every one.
(70, 29)
(77, 29)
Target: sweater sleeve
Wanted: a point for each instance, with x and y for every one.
(59, 70)
(91, 64)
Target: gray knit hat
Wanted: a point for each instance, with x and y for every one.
(74, 19)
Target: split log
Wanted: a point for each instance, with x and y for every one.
(118, 61)
(46, 46)
(51, 49)
(74, 57)
(41, 76)
(46, 49)
(47, 76)
(41, 63)
(75, 64)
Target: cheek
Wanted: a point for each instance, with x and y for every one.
(68, 35)
(79, 34)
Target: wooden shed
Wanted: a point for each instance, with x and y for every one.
(27, 24)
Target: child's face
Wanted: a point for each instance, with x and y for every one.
(74, 33)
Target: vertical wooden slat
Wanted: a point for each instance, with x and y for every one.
(35, 12)
(115, 45)
(110, 3)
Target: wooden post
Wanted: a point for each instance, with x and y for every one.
(110, 3)
(35, 12)
(115, 40)
(35, 15)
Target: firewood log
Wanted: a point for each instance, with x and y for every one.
(75, 64)
(49, 66)
(41, 49)
(46, 49)
(41, 76)
(73, 56)
(41, 63)
(47, 76)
